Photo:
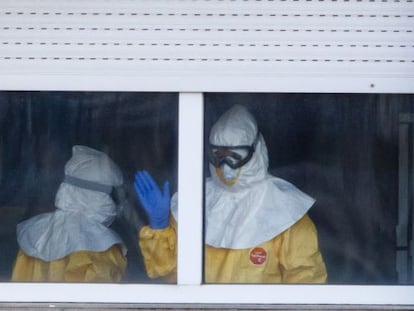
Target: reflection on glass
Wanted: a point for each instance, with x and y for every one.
(67, 164)
(351, 153)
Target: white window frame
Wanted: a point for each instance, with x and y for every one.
(190, 289)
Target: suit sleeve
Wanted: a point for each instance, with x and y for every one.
(159, 249)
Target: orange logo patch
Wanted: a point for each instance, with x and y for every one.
(258, 256)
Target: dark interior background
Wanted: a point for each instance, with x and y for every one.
(37, 132)
(342, 149)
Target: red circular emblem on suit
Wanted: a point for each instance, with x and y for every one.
(258, 256)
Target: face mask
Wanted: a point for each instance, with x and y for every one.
(233, 156)
(227, 175)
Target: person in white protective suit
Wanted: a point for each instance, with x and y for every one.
(73, 243)
(257, 227)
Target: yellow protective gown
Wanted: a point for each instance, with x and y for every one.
(291, 257)
(81, 266)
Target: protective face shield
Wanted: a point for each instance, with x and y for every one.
(234, 156)
(117, 193)
(119, 196)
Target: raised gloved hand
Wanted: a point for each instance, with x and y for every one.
(155, 203)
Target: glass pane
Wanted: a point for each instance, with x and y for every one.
(351, 153)
(67, 167)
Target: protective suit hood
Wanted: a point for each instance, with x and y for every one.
(258, 206)
(82, 216)
(234, 128)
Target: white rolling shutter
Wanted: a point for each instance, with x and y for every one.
(209, 45)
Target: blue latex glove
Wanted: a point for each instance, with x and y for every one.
(155, 203)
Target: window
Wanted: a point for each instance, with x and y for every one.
(190, 246)
(352, 153)
(38, 133)
(208, 52)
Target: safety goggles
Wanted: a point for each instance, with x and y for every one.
(233, 156)
(117, 194)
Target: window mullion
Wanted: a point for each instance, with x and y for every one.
(190, 189)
